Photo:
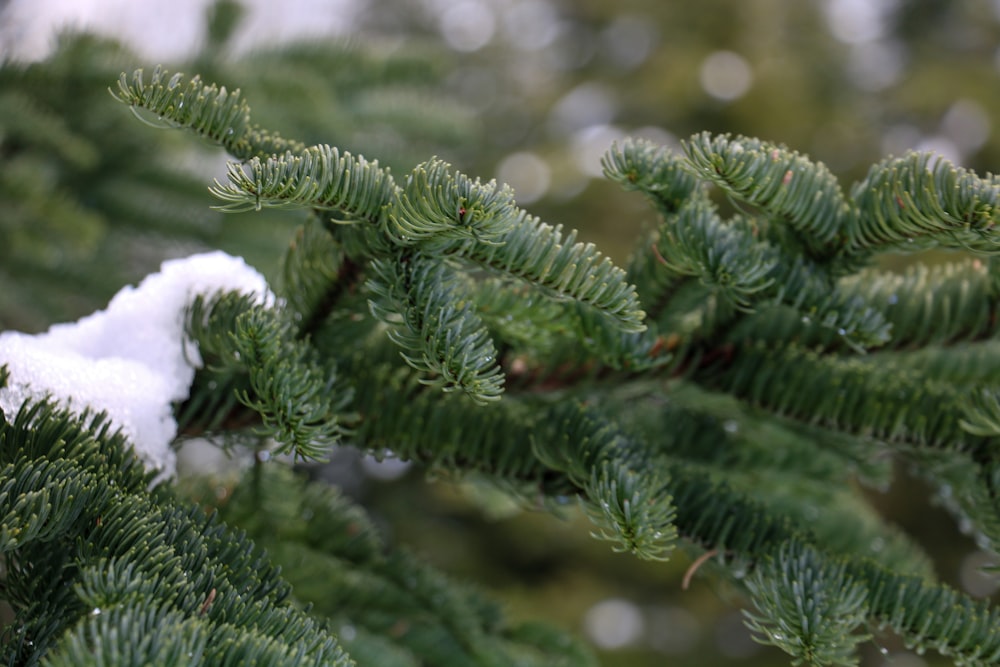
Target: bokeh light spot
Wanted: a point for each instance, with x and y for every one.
(614, 623)
(527, 173)
(726, 75)
(590, 144)
(976, 577)
(468, 26)
(531, 25)
(630, 40)
(967, 124)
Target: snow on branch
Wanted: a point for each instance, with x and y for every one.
(131, 360)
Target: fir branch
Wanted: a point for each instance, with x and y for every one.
(964, 364)
(318, 177)
(519, 316)
(41, 500)
(931, 305)
(315, 275)
(208, 110)
(438, 210)
(639, 164)
(932, 616)
(923, 199)
(734, 258)
(936, 308)
(297, 396)
(543, 256)
(894, 404)
(125, 576)
(317, 534)
(783, 183)
(808, 607)
(435, 324)
(254, 353)
(398, 416)
(626, 495)
(981, 415)
(727, 258)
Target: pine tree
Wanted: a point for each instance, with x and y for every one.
(722, 393)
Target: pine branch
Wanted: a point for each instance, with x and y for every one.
(812, 612)
(541, 255)
(318, 177)
(783, 183)
(772, 307)
(923, 199)
(208, 110)
(296, 394)
(120, 575)
(435, 324)
(438, 210)
(893, 404)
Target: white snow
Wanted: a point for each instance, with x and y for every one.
(168, 29)
(131, 360)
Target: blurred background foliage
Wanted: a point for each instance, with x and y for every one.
(531, 92)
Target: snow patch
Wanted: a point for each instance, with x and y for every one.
(131, 360)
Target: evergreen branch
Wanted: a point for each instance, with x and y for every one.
(222, 378)
(32, 123)
(438, 210)
(981, 415)
(128, 575)
(965, 488)
(932, 616)
(519, 316)
(294, 392)
(656, 286)
(41, 500)
(151, 635)
(939, 305)
(734, 258)
(208, 110)
(315, 275)
(963, 364)
(252, 351)
(317, 534)
(926, 615)
(398, 416)
(728, 258)
(894, 404)
(799, 472)
(541, 255)
(434, 322)
(922, 198)
(784, 184)
(807, 607)
(318, 177)
(639, 164)
(40, 431)
(632, 509)
(629, 512)
(634, 352)
(931, 305)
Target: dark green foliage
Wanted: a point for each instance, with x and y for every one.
(391, 607)
(771, 366)
(102, 571)
(807, 607)
(782, 311)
